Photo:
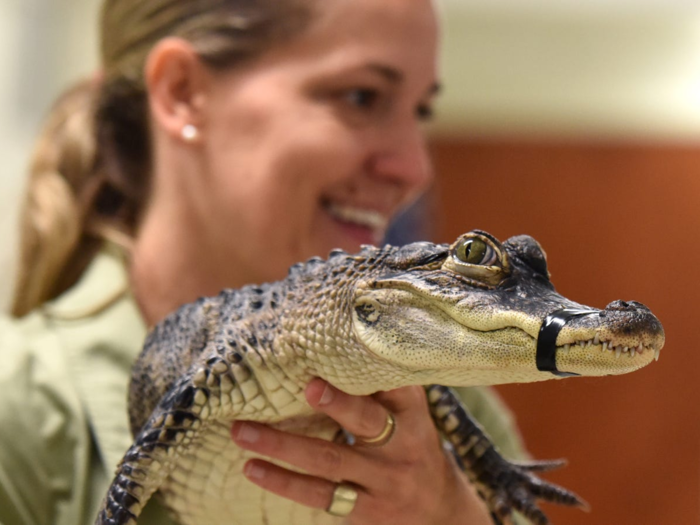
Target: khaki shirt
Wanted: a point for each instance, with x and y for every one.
(64, 371)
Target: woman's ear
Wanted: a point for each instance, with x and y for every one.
(176, 80)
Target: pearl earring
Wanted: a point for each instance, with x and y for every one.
(189, 133)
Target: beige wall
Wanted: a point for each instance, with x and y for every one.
(566, 70)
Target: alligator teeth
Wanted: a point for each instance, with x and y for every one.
(657, 353)
(596, 339)
(640, 348)
(589, 343)
(581, 344)
(626, 349)
(605, 346)
(567, 347)
(618, 351)
(632, 352)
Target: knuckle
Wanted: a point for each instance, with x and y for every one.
(330, 460)
(381, 510)
(401, 485)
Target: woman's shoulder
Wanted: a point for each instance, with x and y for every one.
(95, 322)
(64, 371)
(33, 368)
(99, 332)
(42, 422)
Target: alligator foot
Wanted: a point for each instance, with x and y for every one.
(505, 485)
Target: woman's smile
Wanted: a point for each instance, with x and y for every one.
(363, 224)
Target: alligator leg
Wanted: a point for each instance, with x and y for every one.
(504, 485)
(153, 455)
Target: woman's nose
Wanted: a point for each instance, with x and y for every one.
(403, 158)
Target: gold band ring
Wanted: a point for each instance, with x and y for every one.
(384, 436)
(343, 500)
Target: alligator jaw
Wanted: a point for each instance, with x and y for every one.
(604, 359)
(619, 339)
(620, 350)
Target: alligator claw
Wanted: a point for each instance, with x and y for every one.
(540, 465)
(506, 486)
(514, 487)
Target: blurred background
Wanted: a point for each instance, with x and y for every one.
(577, 123)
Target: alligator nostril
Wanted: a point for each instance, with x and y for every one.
(621, 306)
(639, 306)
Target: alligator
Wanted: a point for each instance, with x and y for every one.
(476, 312)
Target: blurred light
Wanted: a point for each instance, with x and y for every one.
(572, 71)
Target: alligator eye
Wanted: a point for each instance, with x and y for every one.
(475, 251)
(479, 257)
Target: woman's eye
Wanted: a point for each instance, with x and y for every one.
(425, 112)
(363, 98)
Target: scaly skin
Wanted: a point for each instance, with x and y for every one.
(463, 315)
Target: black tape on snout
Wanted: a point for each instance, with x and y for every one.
(546, 357)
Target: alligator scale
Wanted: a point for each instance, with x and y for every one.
(476, 312)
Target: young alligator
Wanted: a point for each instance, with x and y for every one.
(477, 312)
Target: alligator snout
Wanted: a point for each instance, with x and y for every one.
(624, 318)
(626, 306)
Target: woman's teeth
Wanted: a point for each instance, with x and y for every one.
(368, 218)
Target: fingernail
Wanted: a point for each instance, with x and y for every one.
(254, 471)
(326, 397)
(247, 434)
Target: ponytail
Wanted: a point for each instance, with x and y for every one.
(61, 182)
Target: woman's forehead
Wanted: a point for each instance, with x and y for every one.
(388, 37)
(403, 22)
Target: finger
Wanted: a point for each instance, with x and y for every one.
(362, 416)
(408, 402)
(301, 488)
(316, 456)
(410, 408)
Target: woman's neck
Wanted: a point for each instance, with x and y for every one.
(172, 263)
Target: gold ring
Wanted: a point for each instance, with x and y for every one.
(384, 436)
(343, 500)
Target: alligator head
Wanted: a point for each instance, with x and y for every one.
(484, 312)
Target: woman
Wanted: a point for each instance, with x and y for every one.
(222, 142)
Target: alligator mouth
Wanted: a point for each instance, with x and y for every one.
(619, 350)
(631, 331)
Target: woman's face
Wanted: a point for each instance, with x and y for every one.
(318, 143)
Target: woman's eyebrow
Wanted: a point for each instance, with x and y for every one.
(390, 73)
(396, 76)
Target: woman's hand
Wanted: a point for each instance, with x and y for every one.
(409, 480)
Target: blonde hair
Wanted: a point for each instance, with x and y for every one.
(90, 171)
